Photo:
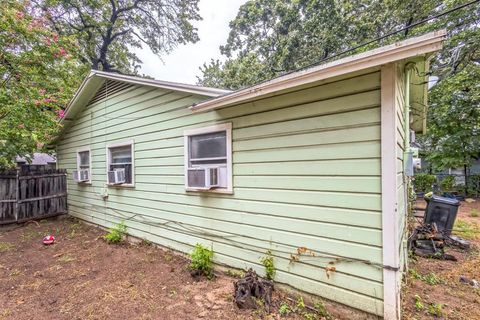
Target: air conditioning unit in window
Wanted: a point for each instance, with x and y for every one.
(203, 178)
(116, 176)
(81, 175)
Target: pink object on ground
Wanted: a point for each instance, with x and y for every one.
(49, 240)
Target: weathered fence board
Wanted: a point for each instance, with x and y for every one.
(27, 194)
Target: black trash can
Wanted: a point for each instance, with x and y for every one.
(442, 211)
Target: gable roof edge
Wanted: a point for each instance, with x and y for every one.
(412, 47)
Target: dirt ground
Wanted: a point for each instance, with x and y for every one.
(83, 277)
(432, 288)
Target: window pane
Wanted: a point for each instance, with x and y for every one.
(84, 157)
(121, 154)
(209, 145)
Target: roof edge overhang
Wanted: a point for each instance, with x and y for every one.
(94, 80)
(408, 48)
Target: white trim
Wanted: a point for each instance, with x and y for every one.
(130, 143)
(83, 149)
(427, 43)
(390, 228)
(215, 128)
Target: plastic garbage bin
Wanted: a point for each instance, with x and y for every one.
(441, 211)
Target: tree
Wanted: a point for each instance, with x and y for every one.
(453, 138)
(107, 30)
(289, 35)
(38, 72)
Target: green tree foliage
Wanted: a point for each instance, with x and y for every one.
(38, 72)
(108, 30)
(287, 35)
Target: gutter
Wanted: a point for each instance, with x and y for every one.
(427, 43)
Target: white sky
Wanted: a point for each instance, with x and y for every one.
(182, 64)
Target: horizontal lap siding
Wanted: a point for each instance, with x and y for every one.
(306, 171)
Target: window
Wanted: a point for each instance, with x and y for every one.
(120, 158)
(84, 163)
(208, 161)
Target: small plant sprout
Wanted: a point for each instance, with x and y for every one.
(116, 233)
(435, 309)
(284, 309)
(202, 259)
(300, 303)
(418, 303)
(267, 262)
(474, 213)
(432, 279)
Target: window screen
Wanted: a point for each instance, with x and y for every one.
(209, 148)
(84, 159)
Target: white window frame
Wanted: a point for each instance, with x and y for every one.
(130, 143)
(211, 129)
(83, 149)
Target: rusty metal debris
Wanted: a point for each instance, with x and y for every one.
(251, 289)
(427, 241)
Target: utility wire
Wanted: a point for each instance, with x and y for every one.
(413, 25)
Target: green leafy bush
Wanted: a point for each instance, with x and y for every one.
(423, 182)
(116, 233)
(447, 183)
(267, 262)
(202, 259)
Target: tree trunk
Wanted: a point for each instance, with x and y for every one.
(465, 172)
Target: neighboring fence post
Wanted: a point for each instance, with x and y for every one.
(17, 194)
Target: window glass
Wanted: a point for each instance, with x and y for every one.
(84, 158)
(119, 155)
(209, 145)
(121, 158)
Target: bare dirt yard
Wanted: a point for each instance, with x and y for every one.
(432, 288)
(83, 277)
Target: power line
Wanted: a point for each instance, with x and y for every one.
(411, 26)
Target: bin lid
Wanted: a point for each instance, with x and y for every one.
(445, 200)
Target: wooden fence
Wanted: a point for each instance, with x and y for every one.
(27, 194)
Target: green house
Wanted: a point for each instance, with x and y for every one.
(310, 166)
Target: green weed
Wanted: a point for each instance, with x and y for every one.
(235, 274)
(430, 278)
(474, 213)
(435, 309)
(202, 260)
(267, 262)
(284, 309)
(6, 246)
(418, 303)
(322, 309)
(116, 233)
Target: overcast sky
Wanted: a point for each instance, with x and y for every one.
(182, 64)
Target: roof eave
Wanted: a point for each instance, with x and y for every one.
(421, 45)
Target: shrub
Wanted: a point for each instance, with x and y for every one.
(423, 182)
(116, 233)
(202, 259)
(447, 183)
(267, 262)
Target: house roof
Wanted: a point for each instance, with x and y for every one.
(37, 159)
(96, 78)
(413, 47)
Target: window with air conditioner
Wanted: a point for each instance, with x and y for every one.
(120, 164)
(84, 163)
(208, 160)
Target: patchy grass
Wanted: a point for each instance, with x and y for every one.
(467, 230)
(6, 246)
(474, 213)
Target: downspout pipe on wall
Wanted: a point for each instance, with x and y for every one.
(408, 153)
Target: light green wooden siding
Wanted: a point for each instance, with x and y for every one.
(306, 171)
(400, 148)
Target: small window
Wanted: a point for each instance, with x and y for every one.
(120, 166)
(208, 164)
(82, 174)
